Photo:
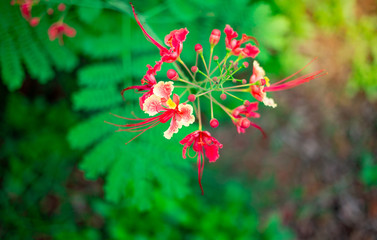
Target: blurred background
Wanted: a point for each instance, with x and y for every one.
(66, 175)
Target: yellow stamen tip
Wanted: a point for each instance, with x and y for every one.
(267, 81)
(171, 104)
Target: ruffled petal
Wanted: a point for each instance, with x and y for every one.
(185, 112)
(152, 105)
(69, 31)
(172, 129)
(250, 51)
(230, 34)
(163, 89)
(211, 152)
(258, 72)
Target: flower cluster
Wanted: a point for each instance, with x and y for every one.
(162, 105)
(56, 30)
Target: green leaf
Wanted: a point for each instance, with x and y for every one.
(96, 99)
(88, 14)
(101, 75)
(11, 69)
(86, 133)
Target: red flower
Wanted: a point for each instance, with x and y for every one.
(203, 144)
(262, 83)
(34, 21)
(160, 102)
(148, 79)
(57, 30)
(25, 7)
(235, 45)
(241, 115)
(174, 40)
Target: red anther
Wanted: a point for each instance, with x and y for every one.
(191, 97)
(61, 7)
(223, 96)
(214, 79)
(215, 37)
(244, 81)
(34, 21)
(198, 48)
(246, 64)
(246, 103)
(194, 69)
(172, 74)
(215, 58)
(50, 11)
(214, 123)
(244, 122)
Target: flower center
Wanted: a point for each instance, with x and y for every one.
(267, 81)
(171, 104)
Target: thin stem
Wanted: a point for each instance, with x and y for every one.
(183, 93)
(188, 70)
(181, 73)
(182, 80)
(201, 94)
(199, 115)
(210, 98)
(224, 60)
(204, 62)
(210, 59)
(234, 96)
(240, 86)
(196, 64)
(225, 109)
(205, 75)
(237, 90)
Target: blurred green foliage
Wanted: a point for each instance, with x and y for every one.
(150, 192)
(368, 171)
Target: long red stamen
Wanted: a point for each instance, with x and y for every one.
(199, 171)
(259, 128)
(141, 133)
(296, 82)
(145, 32)
(128, 118)
(287, 78)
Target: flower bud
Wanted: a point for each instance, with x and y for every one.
(246, 103)
(214, 123)
(223, 96)
(246, 64)
(244, 122)
(191, 97)
(172, 74)
(194, 69)
(34, 21)
(50, 11)
(215, 58)
(61, 7)
(234, 80)
(215, 37)
(198, 48)
(244, 81)
(214, 79)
